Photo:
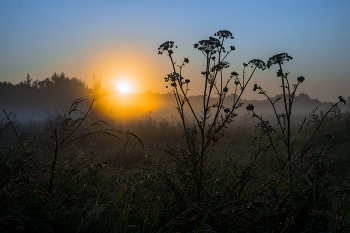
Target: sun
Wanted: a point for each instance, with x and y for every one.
(124, 87)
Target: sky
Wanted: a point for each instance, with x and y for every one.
(117, 41)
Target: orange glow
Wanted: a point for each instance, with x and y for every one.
(131, 62)
(123, 87)
(132, 106)
(124, 107)
(124, 69)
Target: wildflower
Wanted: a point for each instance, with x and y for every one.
(258, 63)
(279, 73)
(225, 89)
(224, 34)
(187, 81)
(186, 60)
(300, 79)
(172, 77)
(342, 100)
(234, 73)
(278, 59)
(256, 87)
(220, 66)
(265, 127)
(236, 82)
(227, 110)
(250, 107)
(212, 45)
(166, 46)
(232, 47)
(245, 64)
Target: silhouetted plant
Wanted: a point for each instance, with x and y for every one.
(284, 118)
(209, 126)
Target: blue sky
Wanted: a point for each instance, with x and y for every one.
(119, 38)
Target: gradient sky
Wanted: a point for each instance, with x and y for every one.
(118, 40)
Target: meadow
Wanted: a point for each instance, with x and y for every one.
(203, 171)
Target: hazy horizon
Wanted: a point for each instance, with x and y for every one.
(40, 99)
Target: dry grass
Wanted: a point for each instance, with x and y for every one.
(107, 184)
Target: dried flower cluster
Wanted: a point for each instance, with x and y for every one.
(166, 46)
(278, 59)
(258, 63)
(224, 34)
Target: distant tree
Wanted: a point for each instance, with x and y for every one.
(304, 96)
(57, 91)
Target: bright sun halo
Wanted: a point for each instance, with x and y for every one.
(124, 88)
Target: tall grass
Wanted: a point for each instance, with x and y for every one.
(124, 188)
(84, 176)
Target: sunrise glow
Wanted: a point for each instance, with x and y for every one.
(124, 87)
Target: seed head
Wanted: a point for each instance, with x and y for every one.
(258, 63)
(250, 107)
(300, 79)
(278, 59)
(212, 45)
(166, 46)
(234, 74)
(342, 100)
(220, 66)
(279, 73)
(224, 34)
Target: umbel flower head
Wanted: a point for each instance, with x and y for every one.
(224, 34)
(258, 63)
(256, 87)
(220, 66)
(342, 100)
(300, 79)
(279, 73)
(212, 45)
(166, 46)
(234, 74)
(250, 107)
(278, 59)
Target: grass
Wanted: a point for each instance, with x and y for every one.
(117, 188)
(278, 173)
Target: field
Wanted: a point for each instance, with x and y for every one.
(219, 165)
(105, 178)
